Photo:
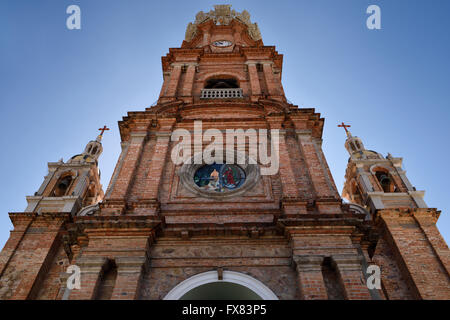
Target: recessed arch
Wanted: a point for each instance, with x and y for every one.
(379, 167)
(208, 277)
(239, 77)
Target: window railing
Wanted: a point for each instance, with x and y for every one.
(221, 93)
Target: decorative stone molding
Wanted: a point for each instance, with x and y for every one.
(70, 172)
(89, 210)
(222, 15)
(359, 209)
(227, 276)
(390, 170)
(131, 264)
(347, 262)
(308, 263)
(91, 264)
(396, 213)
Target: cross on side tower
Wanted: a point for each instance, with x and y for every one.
(105, 128)
(345, 126)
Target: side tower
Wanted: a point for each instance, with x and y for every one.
(38, 249)
(413, 256)
(70, 185)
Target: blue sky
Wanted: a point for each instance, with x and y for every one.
(58, 86)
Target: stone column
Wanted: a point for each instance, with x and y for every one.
(206, 36)
(327, 197)
(254, 79)
(272, 84)
(418, 198)
(158, 162)
(16, 236)
(420, 250)
(188, 80)
(402, 175)
(81, 184)
(363, 178)
(291, 196)
(315, 168)
(310, 278)
(91, 268)
(289, 185)
(172, 86)
(156, 166)
(48, 178)
(129, 274)
(118, 168)
(350, 271)
(126, 169)
(39, 247)
(166, 79)
(237, 34)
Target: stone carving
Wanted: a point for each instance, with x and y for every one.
(89, 210)
(223, 15)
(191, 32)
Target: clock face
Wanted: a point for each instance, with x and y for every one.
(222, 43)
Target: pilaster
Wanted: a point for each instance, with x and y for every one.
(122, 184)
(351, 273)
(310, 278)
(129, 274)
(254, 79)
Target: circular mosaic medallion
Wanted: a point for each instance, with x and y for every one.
(219, 177)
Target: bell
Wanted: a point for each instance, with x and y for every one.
(384, 179)
(64, 184)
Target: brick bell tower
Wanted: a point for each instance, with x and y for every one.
(222, 229)
(413, 256)
(37, 246)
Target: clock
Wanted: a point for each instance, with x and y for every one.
(222, 43)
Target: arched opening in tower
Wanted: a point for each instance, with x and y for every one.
(386, 182)
(221, 290)
(224, 83)
(62, 186)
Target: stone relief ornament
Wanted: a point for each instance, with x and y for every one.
(89, 210)
(191, 32)
(223, 15)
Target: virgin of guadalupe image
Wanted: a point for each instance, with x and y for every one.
(214, 183)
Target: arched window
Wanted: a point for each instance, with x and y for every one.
(107, 281)
(385, 180)
(62, 186)
(259, 67)
(222, 83)
(332, 281)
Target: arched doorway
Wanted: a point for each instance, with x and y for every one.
(233, 286)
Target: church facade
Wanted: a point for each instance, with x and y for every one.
(188, 216)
